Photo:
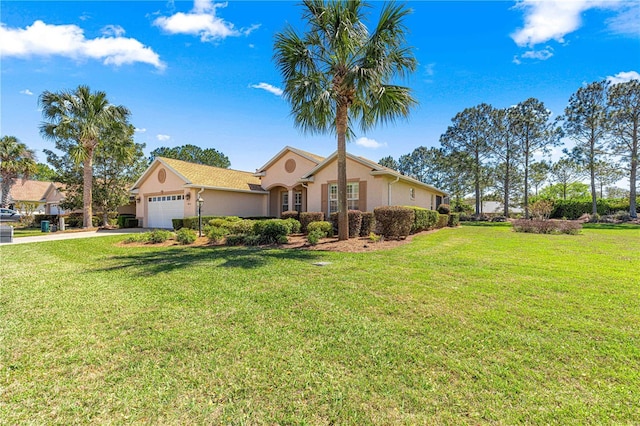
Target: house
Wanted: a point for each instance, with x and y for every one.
(36, 197)
(291, 180)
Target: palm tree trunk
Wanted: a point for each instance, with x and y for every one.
(6, 189)
(343, 219)
(87, 186)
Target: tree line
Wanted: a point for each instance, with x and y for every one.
(487, 148)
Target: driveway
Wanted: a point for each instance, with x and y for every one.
(55, 236)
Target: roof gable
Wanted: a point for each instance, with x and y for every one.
(29, 190)
(200, 175)
(316, 159)
(376, 170)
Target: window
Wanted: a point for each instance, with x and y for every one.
(285, 202)
(297, 201)
(353, 195)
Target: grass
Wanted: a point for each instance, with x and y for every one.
(463, 326)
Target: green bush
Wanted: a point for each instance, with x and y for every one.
(192, 221)
(290, 214)
(122, 220)
(325, 227)
(158, 236)
(131, 222)
(394, 221)
(424, 219)
(573, 209)
(316, 235)
(308, 217)
(186, 236)
(37, 218)
(250, 240)
(137, 238)
(454, 219)
(241, 227)
(216, 234)
(273, 230)
(443, 220)
(444, 209)
(235, 240)
(178, 224)
(368, 224)
(293, 224)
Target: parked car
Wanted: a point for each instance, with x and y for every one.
(8, 215)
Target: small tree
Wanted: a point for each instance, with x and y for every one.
(565, 172)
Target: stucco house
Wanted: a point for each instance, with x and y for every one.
(291, 180)
(43, 196)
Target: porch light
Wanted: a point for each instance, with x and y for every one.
(138, 199)
(200, 202)
(188, 196)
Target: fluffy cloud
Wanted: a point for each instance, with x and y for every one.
(41, 39)
(143, 130)
(542, 55)
(268, 87)
(202, 21)
(623, 77)
(553, 19)
(163, 138)
(26, 92)
(370, 143)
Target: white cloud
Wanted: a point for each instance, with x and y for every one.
(26, 92)
(626, 22)
(268, 87)
(516, 60)
(553, 19)
(143, 130)
(202, 21)
(41, 39)
(163, 138)
(623, 77)
(429, 69)
(542, 55)
(370, 143)
(113, 31)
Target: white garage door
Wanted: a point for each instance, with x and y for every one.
(162, 208)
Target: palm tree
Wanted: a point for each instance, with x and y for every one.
(16, 161)
(84, 118)
(339, 71)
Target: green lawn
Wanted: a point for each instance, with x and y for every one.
(471, 325)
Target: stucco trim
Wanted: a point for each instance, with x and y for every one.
(218, 188)
(280, 154)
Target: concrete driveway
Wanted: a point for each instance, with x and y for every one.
(55, 236)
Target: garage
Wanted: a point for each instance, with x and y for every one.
(162, 208)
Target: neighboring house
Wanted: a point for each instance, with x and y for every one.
(497, 207)
(43, 196)
(292, 180)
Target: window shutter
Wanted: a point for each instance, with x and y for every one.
(324, 200)
(362, 202)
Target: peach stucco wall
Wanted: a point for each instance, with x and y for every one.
(151, 186)
(276, 175)
(381, 191)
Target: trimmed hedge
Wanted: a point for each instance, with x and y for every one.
(192, 221)
(37, 218)
(444, 209)
(178, 224)
(122, 219)
(326, 228)
(368, 224)
(308, 217)
(290, 214)
(538, 226)
(186, 236)
(443, 220)
(454, 220)
(394, 221)
(424, 219)
(573, 209)
(355, 222)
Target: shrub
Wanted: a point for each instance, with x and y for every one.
(37, 218)
(137, 238)
(293, 225)
(186, 236)
(308, 217)
(158, 236)
(216, 234)
(273, 230)
(315, 235)
(249, 240)
(290, 214)
(368, 224)
(282, 239)
(192, 221)
(424, 219)
(236, 240)
(131, 222)
(454, 220)
(122, 219)
(355, 222)
(547, 226)
(394, 221)
(541, 209)
(499, 219)
(325, 227)
(178, 224)
(241, 227)
(444, 209)
(443, 220)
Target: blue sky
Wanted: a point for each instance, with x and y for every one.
(202, 72)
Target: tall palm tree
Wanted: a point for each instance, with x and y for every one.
(339, 71)
(16, 161)
(84, 118)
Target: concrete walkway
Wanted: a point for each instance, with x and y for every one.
(55, 236)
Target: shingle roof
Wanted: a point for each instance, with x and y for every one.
(29, 190)
(213, 177)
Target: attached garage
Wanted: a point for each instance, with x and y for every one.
(161, 209)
